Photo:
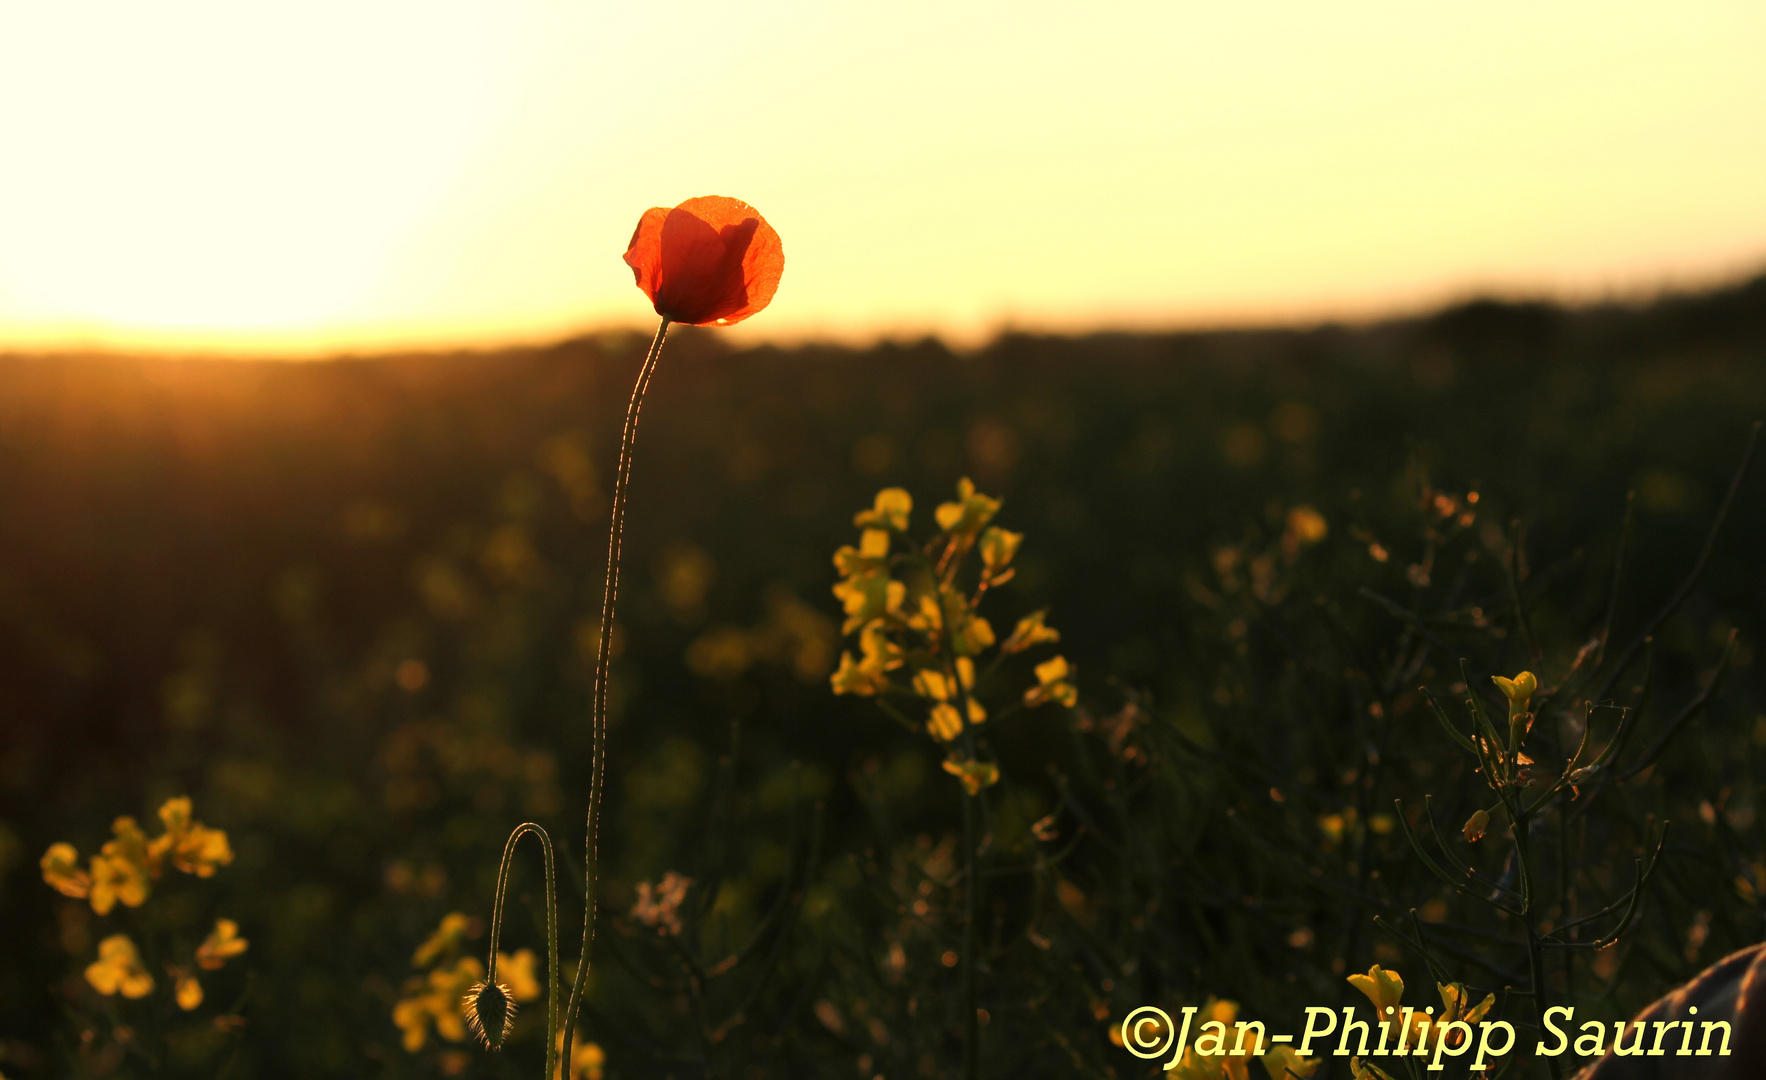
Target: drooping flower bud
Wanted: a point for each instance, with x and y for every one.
(490, 1013)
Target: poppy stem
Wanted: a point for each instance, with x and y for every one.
(498, 908)
(603, 654)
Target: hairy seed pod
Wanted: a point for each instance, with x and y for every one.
(490, 1013)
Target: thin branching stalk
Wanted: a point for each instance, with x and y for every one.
(971, 1019)
(1698, 568)
(1535, 955)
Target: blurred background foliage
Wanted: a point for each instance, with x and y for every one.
(347, 607)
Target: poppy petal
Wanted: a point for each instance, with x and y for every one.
(644, 253)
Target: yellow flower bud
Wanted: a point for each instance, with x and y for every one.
(1306, 525)
(1519, 691)
(222, 943)
(188, 991)
(890, 511)
(975, 775)
(61, 869)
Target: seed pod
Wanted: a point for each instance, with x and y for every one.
(490, 1013)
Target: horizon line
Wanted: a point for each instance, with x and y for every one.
(99, 341)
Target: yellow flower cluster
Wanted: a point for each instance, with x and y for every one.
(1386, 990)
(124, 871)
(127, 865)
(433, 998)
(913, 613)
(1053, 684)
(118, 969)
(1221, 1050)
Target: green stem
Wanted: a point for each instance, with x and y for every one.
(972, 873)
(1535, 957)
(609, 597)
(971, 1018)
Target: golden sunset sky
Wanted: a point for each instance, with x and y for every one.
(293, 178)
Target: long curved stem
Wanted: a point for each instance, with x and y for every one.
(551, 932)
(609, 596)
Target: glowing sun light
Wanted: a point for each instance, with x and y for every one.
(211, 165)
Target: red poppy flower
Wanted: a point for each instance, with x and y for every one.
(710, 261)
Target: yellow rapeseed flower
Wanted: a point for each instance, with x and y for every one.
(1053, 683)
(1225, 1065)
(222, 943)
(447, 987)
(870, 557)
(1030, 631)
(969, 514)
(929, 619)
(971, 635)
(975, 775)
(118, 969)
(944, 723)
(931, 683)
(411, 1016)
(1282, 1060)
(1519, 691)
(890, 511)
(1456, 1005)
(187, 990)
(61, 869)
(1476, 825)
(115, 879)
(587, 1059)
(1306, 525)
(519, 974)
(1384, 988)
(998, 546)
(853, 677)
(444, 942)
(121, 869)
(436, 998)
(200, 850)
(126, 866)
(868, 597)
(867, 676)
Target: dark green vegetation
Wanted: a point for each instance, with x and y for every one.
(343, 606)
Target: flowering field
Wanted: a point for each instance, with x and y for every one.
(1135, 680)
